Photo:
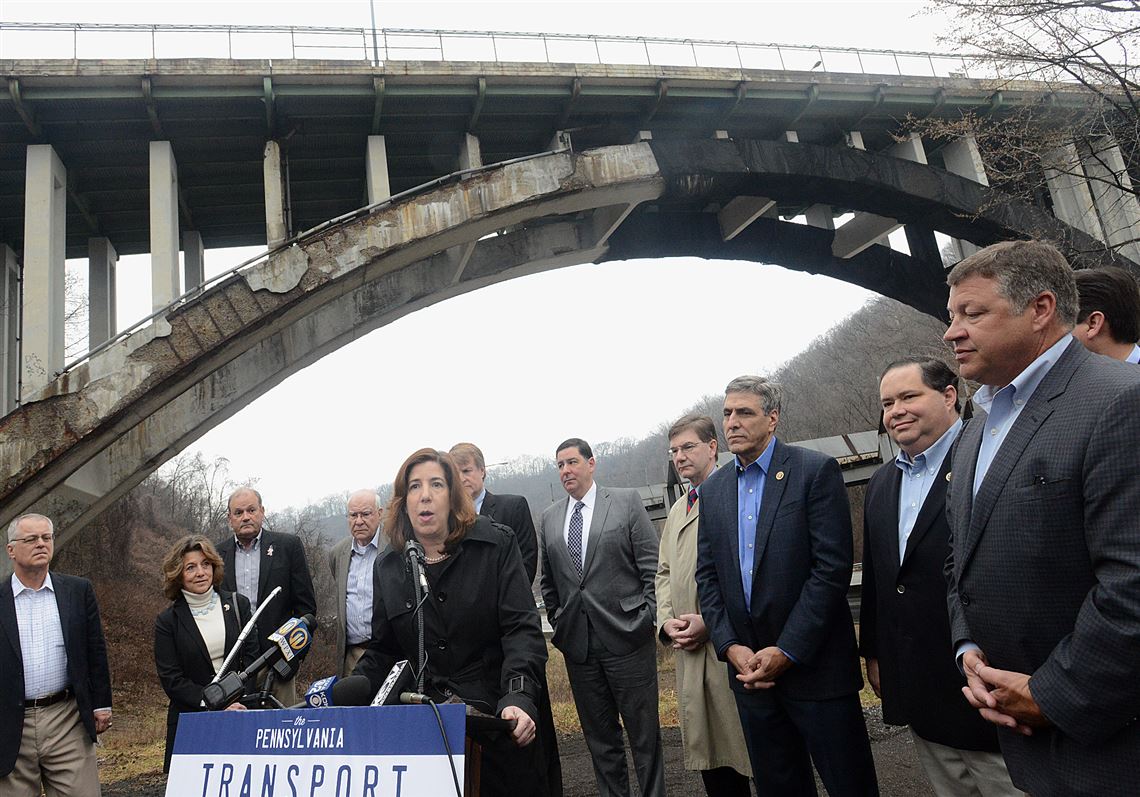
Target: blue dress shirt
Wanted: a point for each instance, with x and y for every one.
(358, 591)
(918, 477)
(749, 495)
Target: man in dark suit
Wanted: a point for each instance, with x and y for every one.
(599, 562)
(512, 511)
(904, 628)
(1108, 318)
(774, 560)
(1044, 578)
(55, 685)
(258, 561)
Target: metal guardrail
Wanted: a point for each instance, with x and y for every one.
(74, 40)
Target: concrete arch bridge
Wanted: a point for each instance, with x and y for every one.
(686, 161)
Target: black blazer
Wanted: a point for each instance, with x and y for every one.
(514, 512)
(804, 557)
(903, 619)
(282, 565)
(183, 662)
(87, 670)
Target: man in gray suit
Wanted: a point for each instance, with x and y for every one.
(1044, 573)
(599, 561)
(351, 562)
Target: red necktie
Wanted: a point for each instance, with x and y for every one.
(692, 499)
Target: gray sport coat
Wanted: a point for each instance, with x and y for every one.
(1044, 571)
(616, 591)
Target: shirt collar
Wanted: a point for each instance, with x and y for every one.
(588, 499)
(1025, 384)
(18, 585)
(1134, 356)
(481, 497)
(372, 543)
(254, 546)
(935, 453)
(764, 461)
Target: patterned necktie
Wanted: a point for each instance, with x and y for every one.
(574, 538)
(692, 499)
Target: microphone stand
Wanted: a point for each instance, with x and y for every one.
(415, 554)
(245, 632)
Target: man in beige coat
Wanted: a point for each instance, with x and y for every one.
(710, 726)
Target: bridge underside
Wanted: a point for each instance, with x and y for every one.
(101, 428)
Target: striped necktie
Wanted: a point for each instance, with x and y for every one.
(692, 499)
(574, 538)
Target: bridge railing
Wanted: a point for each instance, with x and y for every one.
(96, 41)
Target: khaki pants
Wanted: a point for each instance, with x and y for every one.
(964, 773)
(352, 656)
(56, 751)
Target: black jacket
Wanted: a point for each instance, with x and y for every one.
(183, 663)
(514, 512)
(903, 619)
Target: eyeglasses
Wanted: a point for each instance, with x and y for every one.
(684, 448)
(32, 539)
(367, 513)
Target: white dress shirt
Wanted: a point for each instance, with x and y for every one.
(41, 639)
(588, 501)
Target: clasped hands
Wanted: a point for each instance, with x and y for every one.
(688, 632)
(759, 669)
(1002, 697)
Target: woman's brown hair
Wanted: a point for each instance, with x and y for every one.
(172, 563)
(461, 512)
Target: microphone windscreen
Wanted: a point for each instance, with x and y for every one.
(400, 679)
(355, 690)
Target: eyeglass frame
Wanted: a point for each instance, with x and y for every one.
(32, 539)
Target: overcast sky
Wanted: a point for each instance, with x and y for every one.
(595, 351)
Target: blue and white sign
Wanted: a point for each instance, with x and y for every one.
(381, 751)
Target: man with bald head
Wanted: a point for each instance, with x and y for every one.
(351, 562)
(256, 562)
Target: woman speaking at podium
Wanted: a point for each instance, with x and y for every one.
(482, 634)
(194, 633)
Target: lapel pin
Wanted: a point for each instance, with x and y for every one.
(225, 607)
(270, 551)
(779, 475)
(947, 475)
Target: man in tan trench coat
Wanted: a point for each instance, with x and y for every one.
(710, 726)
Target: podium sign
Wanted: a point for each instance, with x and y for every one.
(382, 751)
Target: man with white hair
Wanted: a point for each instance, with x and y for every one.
(351, 562)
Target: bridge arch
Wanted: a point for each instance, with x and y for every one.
(102, 427)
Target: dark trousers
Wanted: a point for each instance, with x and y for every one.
(785, 737)
(725, 782)
(606, 686)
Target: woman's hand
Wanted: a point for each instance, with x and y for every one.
(235, 706)
(523, 733)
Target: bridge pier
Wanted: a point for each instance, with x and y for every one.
(470, 154)
(194, 259)
(276, 220)
(376, 170)
(165, 284)
(963, 158)
(45, 235)
(9, 329)
(101, 261)
(1112, 195)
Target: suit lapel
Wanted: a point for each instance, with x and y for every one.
(62, 592)
(267, 552)
(190, 630)
(774, 482)
(597, 526)
(1020, 434)
(8, 621)
(932, 508)
(890, 511)
(488, 507)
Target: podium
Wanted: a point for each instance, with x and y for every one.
(377, 751)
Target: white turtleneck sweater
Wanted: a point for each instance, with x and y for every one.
(212, 625)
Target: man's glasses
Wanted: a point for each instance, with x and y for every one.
(684, 448)
(32, 539)
(367, 513)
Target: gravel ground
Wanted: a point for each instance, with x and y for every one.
(895, 760)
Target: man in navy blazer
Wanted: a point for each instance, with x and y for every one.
(774, 560)
(55, 685)
(1044, 512)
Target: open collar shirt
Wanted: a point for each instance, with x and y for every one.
(918, 477)
(41, 639)
(749, 496)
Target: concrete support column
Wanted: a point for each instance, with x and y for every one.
(910, 149)
(164, 276)
(791, 136)
(9, 328)
(1072, 200)
(194, 259)
(45, 238)
(470, 155)
(101, 260)
(854, 139)
(276, 228)
(1112, 194)
(820, 216)
(963, 158)
(376, 170)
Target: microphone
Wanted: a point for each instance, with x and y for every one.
(291, 640)
(400, 678)
(415, 699)
(483, 720)
(355, 690)
(415, 553)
